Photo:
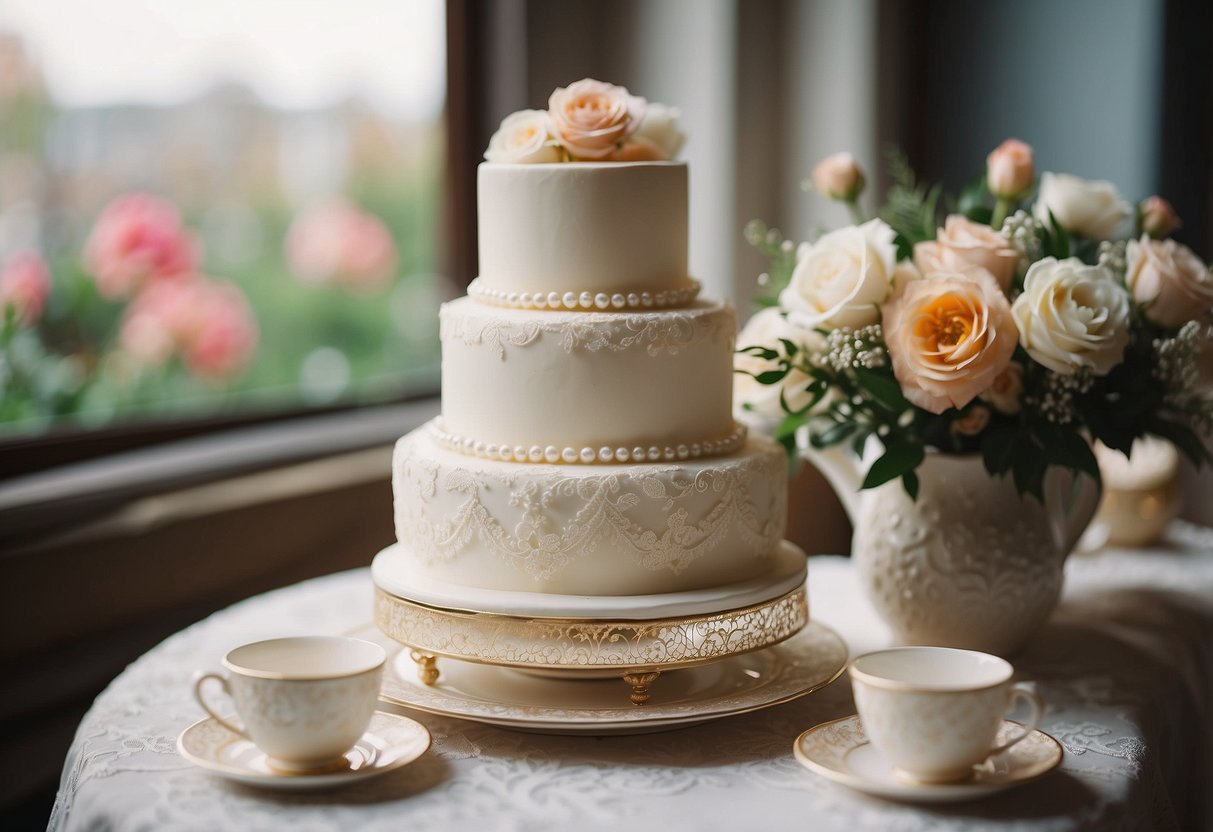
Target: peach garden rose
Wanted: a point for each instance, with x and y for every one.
(1009, 169)
(138, 238)
(1169, 281)
(962, 243)
(949, 336)
(25, 285)
(591, 119)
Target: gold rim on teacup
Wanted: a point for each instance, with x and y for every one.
(375, 650)
(876, 680)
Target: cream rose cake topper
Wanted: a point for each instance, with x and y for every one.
(1019, 329)
(588, 121)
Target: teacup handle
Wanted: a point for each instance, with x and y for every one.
(1027, 692)
(201, 677)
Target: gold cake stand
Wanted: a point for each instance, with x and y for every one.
(639, 651)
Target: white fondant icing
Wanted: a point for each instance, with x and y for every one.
(567, 229)
(622, 529)
(588, 379)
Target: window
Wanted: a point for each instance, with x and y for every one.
(217, 208)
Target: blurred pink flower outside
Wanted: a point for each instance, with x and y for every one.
(25, 284)
(336, 242)
(209, 323)
(138, 239)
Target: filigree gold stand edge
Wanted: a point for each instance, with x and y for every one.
(638, 650)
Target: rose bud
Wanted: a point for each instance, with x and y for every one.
(1158, 218)
(1009, 169)
(839, 177)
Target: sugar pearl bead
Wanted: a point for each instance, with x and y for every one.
(683, 451)
(696, 450)
(621, 454)
(668, 453)
(512, 298)
(638, 454)
(490, 450)
(540, 300)
(646, 298)
(602, 300)
(618, 301)
(524, 299)
(660, 299)
(535, 454)
(520, 453)
(551, 453)
(654, 454)
(633, 299)
(569, 455)
(479, 448)
(570, 300)
(586, 299)
(554, 300)
(605, 454)
(587, 455)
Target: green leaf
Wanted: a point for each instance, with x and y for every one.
(788, 427)
(899, 458)
(1182, 437)
(1028, 468)
(883, 388)
(766, 301)
(996, 449)
(770, 376)
(790, 348)
(833, 435)
(765, 353)
(909, 481)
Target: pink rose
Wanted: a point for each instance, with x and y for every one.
(592, 119)
(208, 323)
(1169, 281)
(972, 423)
(638, 149)
(137, 239)
(335, 242)
(25, 285)
(949, 336)
(1158, 217)
(1009, 169)
(1006, 390)
(962, 243)
(838, 176)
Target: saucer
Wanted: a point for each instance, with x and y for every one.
(840, 751)
(522, 700)
(390, 741)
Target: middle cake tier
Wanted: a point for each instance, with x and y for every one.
(591, 381)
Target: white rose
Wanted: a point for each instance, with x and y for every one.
(1072, 315)
(524, 137)
(660, 128)
(1173, 285)
(1094, 210)
(842, 279)
(765, 329)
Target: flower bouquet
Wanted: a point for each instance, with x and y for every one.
(1018, 329)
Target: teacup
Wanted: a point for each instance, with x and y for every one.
(304, 701)
(934, 712)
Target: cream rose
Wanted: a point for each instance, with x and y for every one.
(524, 137)
(660, 129)
(592, 119)
(1072, 315)
(1094, 210)
(765, 329)
(962, 243)
(949, 336)
(1006, 392)
(1169, 281)
(842, 279)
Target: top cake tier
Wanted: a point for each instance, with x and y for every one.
(603, 231)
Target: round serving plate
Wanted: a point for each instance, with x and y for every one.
(503, 696)
(590, 645)
(394, 571)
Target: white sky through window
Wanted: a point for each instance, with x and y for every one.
(295, 54)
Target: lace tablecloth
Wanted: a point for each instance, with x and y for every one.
(1125, 666)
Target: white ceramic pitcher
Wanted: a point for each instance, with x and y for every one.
(968, 564)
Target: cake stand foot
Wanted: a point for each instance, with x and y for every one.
(640, 685)
(427, 666)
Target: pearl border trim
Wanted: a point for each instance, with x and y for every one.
(553, 455)
(585, 301)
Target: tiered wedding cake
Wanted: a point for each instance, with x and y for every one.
(586, 465)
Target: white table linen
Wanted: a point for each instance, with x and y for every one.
(1125, 665)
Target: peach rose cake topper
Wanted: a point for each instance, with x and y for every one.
(1036, 316)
